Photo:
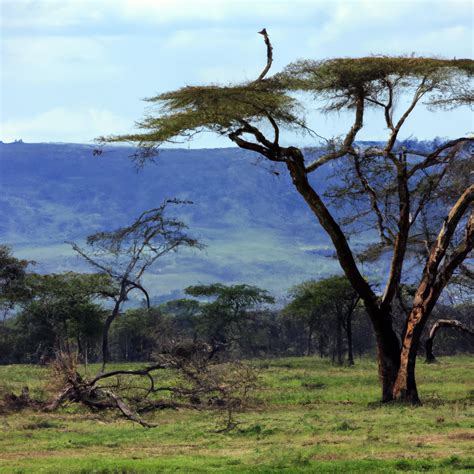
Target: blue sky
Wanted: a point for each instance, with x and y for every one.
(73, 70)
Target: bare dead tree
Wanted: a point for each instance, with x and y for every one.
(127, 253)
(199, 385)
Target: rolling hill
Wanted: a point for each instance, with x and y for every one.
(256, 227)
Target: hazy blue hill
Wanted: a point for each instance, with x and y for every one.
(256, 227)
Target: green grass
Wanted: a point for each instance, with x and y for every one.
(307, 416)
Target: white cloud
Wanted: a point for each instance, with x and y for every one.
(51, 13)
(61, 124)
(55, 58)
(112, 52)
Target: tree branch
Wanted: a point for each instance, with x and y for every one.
(269, 55)
(373, 201)
(346, 146)
(432, 158)
(300, 179)
(429, 288)
(401, 240)
(419, 93)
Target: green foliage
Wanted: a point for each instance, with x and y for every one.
(342, 80)
(233, 316)
(192, 109)
(61, 311)
(13, 286)
(238, 297)
(69, 286)
(315, 299)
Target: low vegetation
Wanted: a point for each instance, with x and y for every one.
(306, 415)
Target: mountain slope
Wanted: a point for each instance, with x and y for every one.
(256, 227)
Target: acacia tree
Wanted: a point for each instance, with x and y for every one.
(326, 306)
(61, 311)
(230, 316)
(125, 254)
(245, 112)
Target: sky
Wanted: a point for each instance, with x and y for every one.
(72, 70)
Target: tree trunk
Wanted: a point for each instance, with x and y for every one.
(309, 349)
(405, 389)
(321, 346)
(388, 352)
(350, 356)
(430, 358)
(105, 335)
(339, 341)
(387, 341)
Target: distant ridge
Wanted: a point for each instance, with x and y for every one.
(256, 227)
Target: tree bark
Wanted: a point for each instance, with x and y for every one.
(309, 349)
(350, 355)
(339, 341)
(105, 335)
(431, 285)
(405, 389)
(388, 352)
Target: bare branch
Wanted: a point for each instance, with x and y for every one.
(346, 146)
(419, 93)
(374, 203)
(269, 54)
(434, 157)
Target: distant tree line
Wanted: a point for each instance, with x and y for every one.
(67, 313)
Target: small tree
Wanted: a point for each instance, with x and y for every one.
(125, 254)
(13, 287)
(61, 315)
(230, 317)
(245, 112)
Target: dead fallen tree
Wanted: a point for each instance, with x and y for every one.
(197, 383)
(442, 323)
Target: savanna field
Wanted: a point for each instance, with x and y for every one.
(306, 415)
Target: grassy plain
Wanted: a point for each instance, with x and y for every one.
(307, 416)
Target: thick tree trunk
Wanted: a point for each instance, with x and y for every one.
(388, 353)
(405, 389)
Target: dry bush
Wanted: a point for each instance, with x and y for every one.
(197, 383)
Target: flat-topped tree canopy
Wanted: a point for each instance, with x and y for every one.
(222, 109)
(343, 83)
(342, 80)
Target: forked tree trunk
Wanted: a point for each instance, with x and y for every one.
(396, 368)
